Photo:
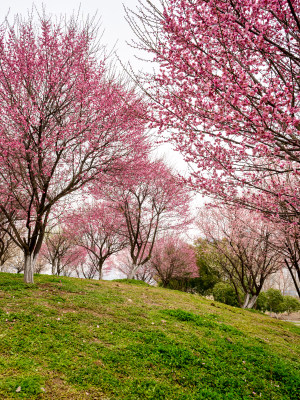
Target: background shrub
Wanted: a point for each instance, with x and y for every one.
(224, 293)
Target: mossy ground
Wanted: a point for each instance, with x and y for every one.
(67, 338)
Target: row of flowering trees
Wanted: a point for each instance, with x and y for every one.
(227, 93)
(138, 225)
(71, 131)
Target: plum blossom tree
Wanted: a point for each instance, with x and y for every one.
(228, 91)
(61, 252)
(173, 258)
(242, 247)
(64, 122)
(98, 229)
(86, 268)
(155, 201)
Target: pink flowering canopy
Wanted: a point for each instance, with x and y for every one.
(227, 91)
(61, 252)
(173, 258)
(99, 229)
(152, 200)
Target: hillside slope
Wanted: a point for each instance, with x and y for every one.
(67, 338)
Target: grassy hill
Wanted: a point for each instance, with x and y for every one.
(67, 338)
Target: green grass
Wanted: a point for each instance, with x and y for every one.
(67, 338)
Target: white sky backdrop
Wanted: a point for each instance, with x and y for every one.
(111, 14)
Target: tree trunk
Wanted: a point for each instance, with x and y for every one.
(252, 301)
(246, 301)
(290, 268)
(53, 267)
(100, 268)
(131, 274)
(249, 302)
(29, 261)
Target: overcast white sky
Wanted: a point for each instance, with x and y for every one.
(111, 13)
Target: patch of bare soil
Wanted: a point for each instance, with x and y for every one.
(293, 317)
(288, 317)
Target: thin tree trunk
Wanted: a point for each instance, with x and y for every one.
(53, 267)
(246, 301)
(100, 269)
(29, 261)
(249, 301)
(131, 274)
(290, 268)
(252, 301)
